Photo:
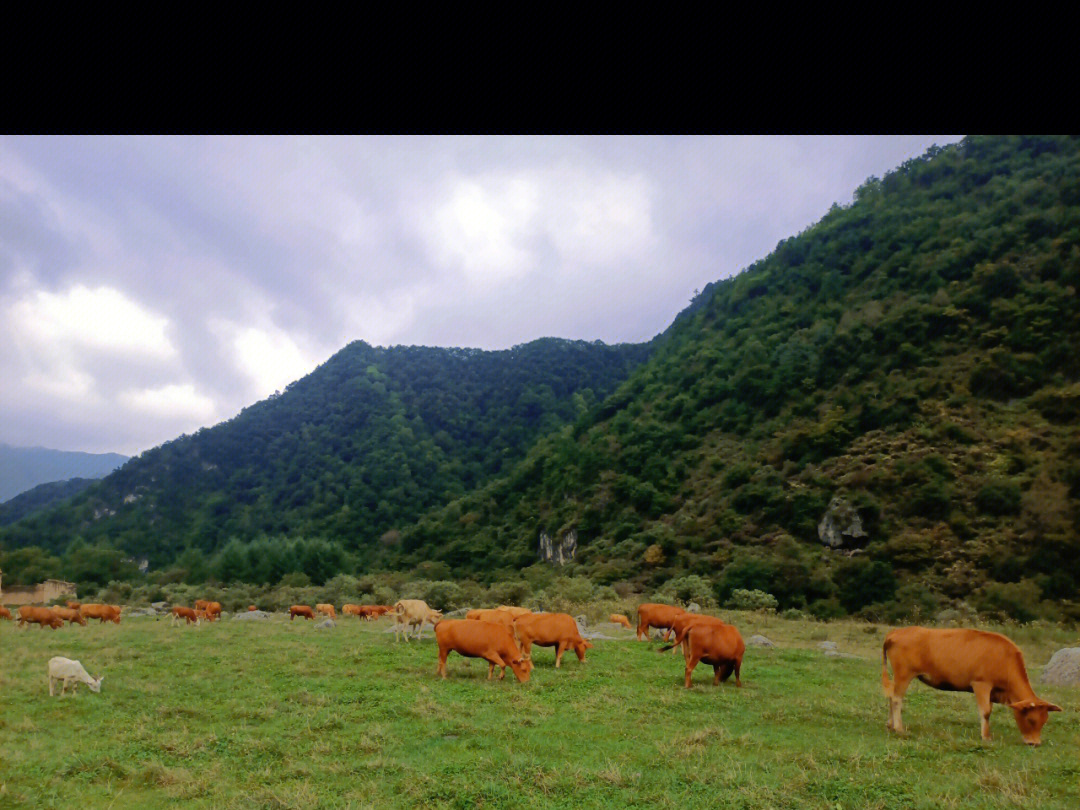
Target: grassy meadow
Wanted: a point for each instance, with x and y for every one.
(282, 715)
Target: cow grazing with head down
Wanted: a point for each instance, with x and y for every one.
(189, 615)
(719, 645)
(5, 613)
(618, 618)
(476, 639)
(654, 615)
(326, 610)
(70, 672)
(301, 610)
(41, 616)
(963, 660)
(558, 630)
(413, 613)
(103, 613)
(70, 615)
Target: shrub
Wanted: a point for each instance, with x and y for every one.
(742, 599)
(999, 497)
(826, 609)
(691, 588)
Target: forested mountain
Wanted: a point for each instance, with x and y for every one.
(22, 468)
(367, 442)
(882, 416)
(914, 356)
(41, 497)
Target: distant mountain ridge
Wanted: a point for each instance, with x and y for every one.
(23, 468)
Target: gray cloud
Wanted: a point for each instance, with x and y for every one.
(246, 261)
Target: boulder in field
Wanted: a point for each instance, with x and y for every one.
(1063, 668)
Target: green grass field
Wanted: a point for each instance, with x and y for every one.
(280, 715)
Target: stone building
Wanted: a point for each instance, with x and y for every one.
(40, 594)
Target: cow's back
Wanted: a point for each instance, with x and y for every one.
(548, 628)
(956, 657)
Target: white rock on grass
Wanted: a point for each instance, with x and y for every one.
(759, 641)
(250, 616)
(1063, 668)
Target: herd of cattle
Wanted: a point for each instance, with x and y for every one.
(958, 660)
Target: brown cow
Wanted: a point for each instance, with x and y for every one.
(251, 608)
(352, 610)
(104, 613)
(213, 609)
(514, 611)
(963, 660)
(327, 610)
(720, 645)
(200, 604)
(413, 613)
(558, 630)
(654, 615)
(70, 615)
(189, 615)
(680, 624)
(5, 613)
(475, 639)
(301, 610)
(74, 605)
(41, 616)
(495, 616)
(380, 610)
(618, 618)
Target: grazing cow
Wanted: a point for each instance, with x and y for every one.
(618, 618)
(189, 615)
(301, 610)
(70, 672)
(514, 611)
(495, 616)
(327, 610)
(213, 609)
(720, 645)
(380, 610)
(104, 613)
(413, 613)
(963, 660)
(558, 630)
(41, 616)
(352, 610)
(200, 604)
(5, 613)
(70, 615)
(681, 624)
(475, 639)
(653, 615)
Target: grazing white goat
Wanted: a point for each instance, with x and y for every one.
(70, 672)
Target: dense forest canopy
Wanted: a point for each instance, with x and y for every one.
(906, 370)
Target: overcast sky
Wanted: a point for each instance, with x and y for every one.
(150, 286)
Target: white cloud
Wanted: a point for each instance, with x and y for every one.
(270, 357)
(101, 319)
(171, 402)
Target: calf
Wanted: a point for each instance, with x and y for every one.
(963, 660)
(654, 615)
(476, 639)
(70, 615)
(557, 630)
(5, 613)
(70, 672)
(327, 610)
(41, 616)
(413, 613)
(301, 610)
(720, 645)
(189, 615)
(104, 613)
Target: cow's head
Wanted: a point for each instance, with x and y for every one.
(95, 686)
(1031, 716)
(522, 668)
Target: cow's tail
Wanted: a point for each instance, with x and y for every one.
(679, 638)
(886, 683)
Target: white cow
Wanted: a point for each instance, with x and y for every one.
(413, 612)
(70, 672)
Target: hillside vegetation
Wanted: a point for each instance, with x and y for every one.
(915, 353)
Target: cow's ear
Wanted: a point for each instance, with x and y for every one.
(1022, 705)
(1050, 707)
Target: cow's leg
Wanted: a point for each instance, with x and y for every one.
(443, 652)
(559, 653)
(691, 662)
(738, 666)
(496, 660)
(901, 680)
(51, 684)
(982, 691)
(716, 675)
(643, 631)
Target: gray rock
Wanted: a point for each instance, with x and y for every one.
(827, 646)
(160, 607)
(835, 654)
(841, 526)
(142, 611)
(457, 614)
(251, 616)
(1063, 668)
(582, 620)
(591, 636)
(693, 607)
(558, 552)
(329, 624)
(759, 641)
